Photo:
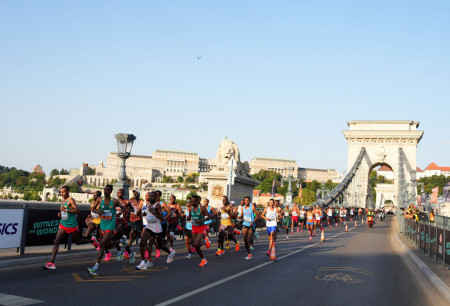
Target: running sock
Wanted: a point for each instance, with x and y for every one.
(96, 266)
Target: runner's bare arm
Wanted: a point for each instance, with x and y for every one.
(205, 213)
(72, 207)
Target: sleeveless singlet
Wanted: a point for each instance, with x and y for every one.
(302, 214)
(173, 214)
(197, 217)
(294, 213)
(225, 218)
(188, 223)
(68, 219)
(95, 216)
(210, 220)
(248, 215)
(108, 217)
(153, 223)
(272, 216)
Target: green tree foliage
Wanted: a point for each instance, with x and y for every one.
(192, 193)
(21, 180)
(266, 178)
(54, 172)
(64, 172)
(191, 178)
(180, 179)
(56, 182)
(91, 171)
(167, 179)
(74, 187)
(4, 169)
(434, 181)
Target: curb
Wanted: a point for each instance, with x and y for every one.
(432, 277)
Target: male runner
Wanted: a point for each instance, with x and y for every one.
(174, 214)
(248, 213)
(317, 218)
(329, 215)
(106, 207)
(153, 231)
(197, 215)
(123, 228)
(94, 221)
(135, 220)
(270, 214)
(188, 228)
(208, 222)
(302, 218)
(226, 230)
(68, 225)
(310, 221)
(286, 219)
(295, 212)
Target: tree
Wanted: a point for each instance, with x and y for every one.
(266, 179)
(54, 172)
(180, 179)
(167, 179)
(91, 171)
(191, 178)
(63, 172)
(192, 193)
(434, 181)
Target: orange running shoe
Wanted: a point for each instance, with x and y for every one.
(237, 246)
(203, 262)
(207, 243)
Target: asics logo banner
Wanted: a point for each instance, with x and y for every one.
(8, 228)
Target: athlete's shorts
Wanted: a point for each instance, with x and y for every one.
(156, 235)
(294, 218)
(310, 223)
(228, 229)
(286, 221)
(136, 226)
(108, 231)
(318, 220)
(271, 229)
(68, 230)
(172, 227)
(302, 220)
(188, 233)
(198, 229)
(164, 229)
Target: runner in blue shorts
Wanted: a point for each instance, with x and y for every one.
(270, 214)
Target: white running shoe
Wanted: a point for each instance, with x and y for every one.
(188, 256)
(149, 264)
(170, 257)
(287, 237)
(142, 265)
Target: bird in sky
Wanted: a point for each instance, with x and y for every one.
(198, 57)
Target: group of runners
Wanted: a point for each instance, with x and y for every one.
(119, 223)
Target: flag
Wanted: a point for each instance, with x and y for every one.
(434, 195)
(300, 191)
(273, 189)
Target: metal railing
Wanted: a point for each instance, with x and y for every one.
(433, 238)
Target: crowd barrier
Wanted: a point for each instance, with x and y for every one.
(433, 238)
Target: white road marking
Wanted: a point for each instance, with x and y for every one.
(191, 293)
(8, 300)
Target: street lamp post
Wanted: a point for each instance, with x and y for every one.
(289, 194)
(124, 145)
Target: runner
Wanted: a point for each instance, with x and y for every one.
(165, 211)
(135, 220)
(352, 213)
(197, 215)
(295, 212)
(279, 213)
(317, 219)
(343, 215)
(270, 214)
(94, 222)
(329, 215)
(336, 215)
(188, 229)
(68, 225)
(310, 221)
(208, 222)
(175, 213)
(286, 218)
(226, 230)
(302, 218)
(123, 228)
(106, 207)
(153, 232)
(248, 213)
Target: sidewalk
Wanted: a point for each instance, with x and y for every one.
(432, 270)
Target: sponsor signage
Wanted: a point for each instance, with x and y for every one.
(11, 221)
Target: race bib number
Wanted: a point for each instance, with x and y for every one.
(225, 216)
(151, 219)
(317, 216)
(94, 215)
(106, 215)
(64, 215)
(247, 219)
(310, 217)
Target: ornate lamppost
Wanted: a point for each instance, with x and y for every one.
(124, 145)
(289, 194)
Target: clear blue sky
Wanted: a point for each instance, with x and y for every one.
(281, 78)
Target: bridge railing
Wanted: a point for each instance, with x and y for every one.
(433, 238)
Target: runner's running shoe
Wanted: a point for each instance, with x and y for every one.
(203, 263)
(49, 266)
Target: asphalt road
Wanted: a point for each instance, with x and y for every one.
(349, 268)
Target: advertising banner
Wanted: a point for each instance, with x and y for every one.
(422, 236)
(43, 224)
(11, 221)
(427, 237)
(447, 247)
(433, 241)
(440, 243)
